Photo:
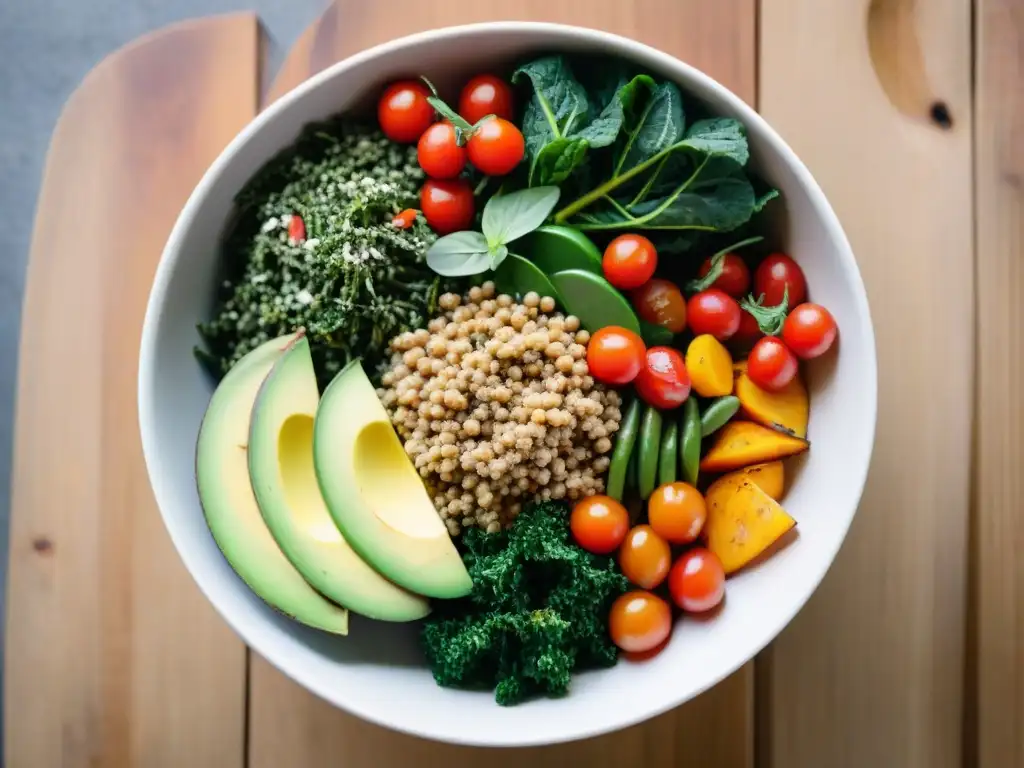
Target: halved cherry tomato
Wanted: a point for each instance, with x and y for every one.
(615, 355)
(485, 95)
(809, 330)
(677, 512)
(403, 111)
(644, 557)
(735, 276)
(771, 365)
(296, 228)
(660, 302)
(404, 219)
(639, 621)
(496, 147)
(713, 311)
(663, 381)
(629, 261)
(439, 153)
(774, 274)
(697, 581)
(447, 204)
(599, 524)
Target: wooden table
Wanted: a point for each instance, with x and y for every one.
(908, 656)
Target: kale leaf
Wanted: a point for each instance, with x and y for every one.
(538, 611)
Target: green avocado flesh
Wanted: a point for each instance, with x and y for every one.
(289, 498)
(375, 494)
(232, 515)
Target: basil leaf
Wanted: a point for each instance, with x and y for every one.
(459, 254)
(559, 105)
(509, 217)
(659, 125)
(719, 136)
(556, 161)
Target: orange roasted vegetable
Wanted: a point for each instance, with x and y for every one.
(742, 443)
(788, 408)
(748, 523)
(769, 477)
(710, 366)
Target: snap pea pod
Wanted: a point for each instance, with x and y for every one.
(669, 453)
(632, 483)
(625, 439)
(718, 413)
(650, 444)
(689, 452)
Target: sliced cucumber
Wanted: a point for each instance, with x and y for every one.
(594, 300)
(554, 248)
(650, 446)
(625, 439)
(669, 453)
(517, 277)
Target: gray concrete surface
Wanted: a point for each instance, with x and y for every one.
(46, 48)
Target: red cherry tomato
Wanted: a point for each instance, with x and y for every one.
(599, 524)
(615, 355)
(663, 381)
(697, 581)
(734, 278)
(404, 219)
(485, 95)
(715, 312)
(403, 111)
(639, 621)
(496, 147)
(749, 331)
(676, 512)
(439, 154)
(629, 261)
(447, 205)
(660, 302)
(771, 365)
(296, 228)
(809, 330)
(774, 274)
(644, 557)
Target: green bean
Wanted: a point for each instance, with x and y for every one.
(689, 454)
(669, 453)
(650, 443)
(718, 413)
(625, 439)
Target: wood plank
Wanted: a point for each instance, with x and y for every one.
(999, 487)
(870, 673)
(290, 726)
(113, 657)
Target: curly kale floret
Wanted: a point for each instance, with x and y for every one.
(537, 613)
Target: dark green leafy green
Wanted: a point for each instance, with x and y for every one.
(538, 611)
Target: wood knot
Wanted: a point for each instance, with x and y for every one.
(940, 115)
(42, 545)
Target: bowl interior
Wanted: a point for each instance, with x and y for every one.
(376, 671)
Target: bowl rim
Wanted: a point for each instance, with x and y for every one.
(684, 74)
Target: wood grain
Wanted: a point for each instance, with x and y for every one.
(870, 673)
(113, 657)
(290, 726)
(999, 180)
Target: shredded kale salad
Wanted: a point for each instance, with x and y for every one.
(352, 280)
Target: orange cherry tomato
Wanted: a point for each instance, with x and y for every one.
(639, 621)
(615, 355)
(599, 524)
(644, 557)
(697, 581)
(404, 219)
(629, 261)
(677, 512)
(485, 95)
(403, 111)
(660, 302)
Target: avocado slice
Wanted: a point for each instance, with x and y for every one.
(222, 479)
(283, 479)
(375, 494)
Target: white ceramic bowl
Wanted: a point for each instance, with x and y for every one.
(376, 672)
